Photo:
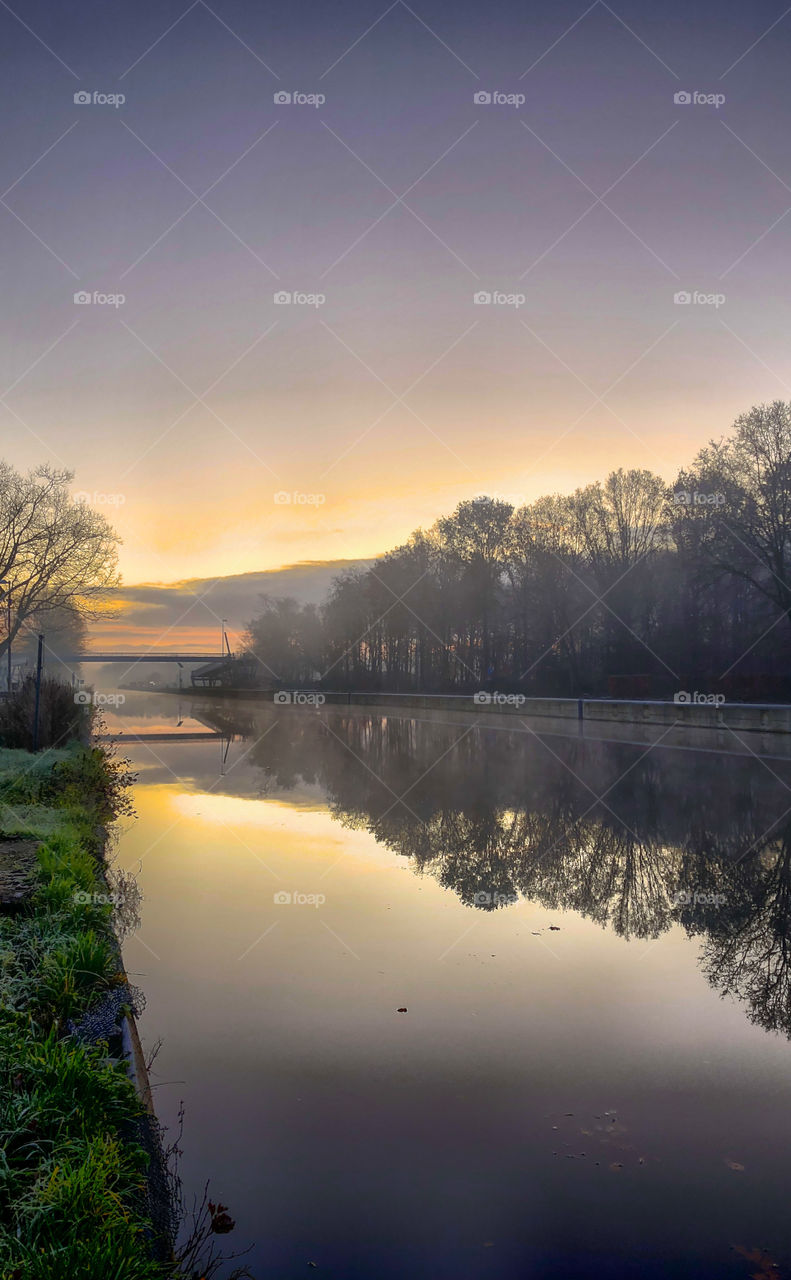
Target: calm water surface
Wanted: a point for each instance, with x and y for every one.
(592, 943)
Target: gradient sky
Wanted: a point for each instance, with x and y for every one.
(198, 399)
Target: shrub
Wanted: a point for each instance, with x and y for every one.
(60, 719)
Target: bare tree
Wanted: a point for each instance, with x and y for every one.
(57, 555)
(475, 539)
(622, 525)
(734, 502)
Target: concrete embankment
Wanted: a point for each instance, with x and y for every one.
(738, 716)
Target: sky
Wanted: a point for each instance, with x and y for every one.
(538, 156)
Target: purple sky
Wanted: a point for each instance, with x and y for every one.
(590, 204)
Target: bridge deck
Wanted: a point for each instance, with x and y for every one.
(151, 656)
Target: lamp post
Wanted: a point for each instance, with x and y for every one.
(222, 638)
(5, 583)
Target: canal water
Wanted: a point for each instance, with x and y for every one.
(454, 996)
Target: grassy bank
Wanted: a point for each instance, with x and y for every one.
(78, 1159)
(73, 1186)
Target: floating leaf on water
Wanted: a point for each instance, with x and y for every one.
(403, 1009)
(734, 1164)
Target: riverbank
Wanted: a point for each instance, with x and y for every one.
(83, 1190)
(737, 716)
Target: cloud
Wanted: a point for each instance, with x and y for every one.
(187, 614)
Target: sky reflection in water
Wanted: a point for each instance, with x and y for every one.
(591, 941)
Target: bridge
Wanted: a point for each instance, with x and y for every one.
(153, 655)
(213, 668)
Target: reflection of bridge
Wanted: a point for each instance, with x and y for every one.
(122, 735)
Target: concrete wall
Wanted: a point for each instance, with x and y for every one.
(744, 716)
(733, 715)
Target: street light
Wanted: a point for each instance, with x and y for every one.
(4, 582)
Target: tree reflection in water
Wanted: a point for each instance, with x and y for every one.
(636, 839)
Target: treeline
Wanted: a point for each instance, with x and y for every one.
(627, 586)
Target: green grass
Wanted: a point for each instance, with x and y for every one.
(72, 1176)
(33, 821)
